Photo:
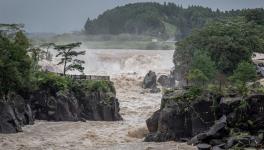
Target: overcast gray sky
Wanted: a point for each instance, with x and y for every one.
(70, 15)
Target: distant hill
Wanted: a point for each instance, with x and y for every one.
(165, 21)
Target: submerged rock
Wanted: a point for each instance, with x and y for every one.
(150, 80)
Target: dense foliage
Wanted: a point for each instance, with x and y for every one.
(14, 64)
(166, 21)
(227, 43)
(20, 72)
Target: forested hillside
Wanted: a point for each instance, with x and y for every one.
(165, 21)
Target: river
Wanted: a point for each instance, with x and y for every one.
(127, 69)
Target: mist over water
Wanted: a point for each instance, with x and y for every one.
(115, 62)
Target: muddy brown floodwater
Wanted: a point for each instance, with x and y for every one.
(126, 69)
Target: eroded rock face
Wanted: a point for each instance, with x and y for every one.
(9, 122)
(209, 121)
(99, 106)
(61, 106)
(150, 80)
(69, 106)
(14, 115)
(152, 122)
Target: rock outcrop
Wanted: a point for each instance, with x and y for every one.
(150, 80)
(209, 121)
(59, 106)
(78, 103)
(81, 101)
(99, 106)
(14, 115)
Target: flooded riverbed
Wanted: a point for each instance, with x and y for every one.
(126, 68)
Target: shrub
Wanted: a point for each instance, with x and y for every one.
(52, 81)
(93, 86)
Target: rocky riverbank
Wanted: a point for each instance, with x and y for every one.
(83, 100)
(210, 121)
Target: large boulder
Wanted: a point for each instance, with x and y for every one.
(150, 80)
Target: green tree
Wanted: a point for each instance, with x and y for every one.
(14, 64)
(203, 62)
(197, 77)
(245, 72)
(154, 19)
(36, 55)
(22, 40)
(227, 42)
(255, 15)
(67, 53)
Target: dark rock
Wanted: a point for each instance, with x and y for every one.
(243, 142)
(82, 120)
(8, 120)
(155, 90)
(62, 106)
(22, 110)
(198, 139)
(231, 141)
(215, 142)
(184, 140)
(150, 80)
(182, 118)
(204, 146)
(173, 124)
(173, 120)
(166, 81)
(228, 104)
(217, 148)
(14, 114)
(99, 106)
(218, 129)
(202, 116)
(152, 122)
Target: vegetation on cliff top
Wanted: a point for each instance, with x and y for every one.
(222, 49)
(20, 73)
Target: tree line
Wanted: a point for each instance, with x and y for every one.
(155, 19)
(19, 69)
(221, 52)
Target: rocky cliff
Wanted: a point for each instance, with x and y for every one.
(210, 121)
(83, 100)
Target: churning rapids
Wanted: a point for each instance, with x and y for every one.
(126, 68)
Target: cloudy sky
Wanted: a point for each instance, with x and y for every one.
(70, 15)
